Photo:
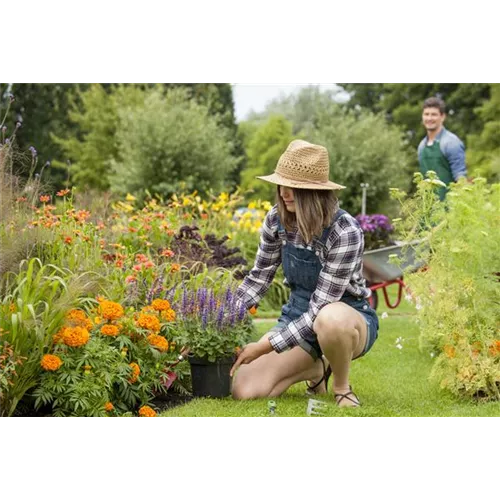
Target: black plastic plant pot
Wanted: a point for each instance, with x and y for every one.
(211, 379)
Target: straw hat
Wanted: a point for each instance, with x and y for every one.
(303, 166)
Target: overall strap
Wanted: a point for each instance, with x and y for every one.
(326, 231)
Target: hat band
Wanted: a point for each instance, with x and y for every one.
(299, 180)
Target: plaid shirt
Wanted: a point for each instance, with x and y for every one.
(342, 271)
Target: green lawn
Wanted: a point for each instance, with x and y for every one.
(388, 381)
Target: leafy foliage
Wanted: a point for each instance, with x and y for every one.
(211, 324)
(401, 104)
(362, 149)
(483, 153)
(264, 150)
(42, 109)
(458, 295)
(171, 144)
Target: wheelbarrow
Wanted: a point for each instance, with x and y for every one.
(380, 273)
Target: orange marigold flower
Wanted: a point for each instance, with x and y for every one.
(175, 268)
(130, 279)
(77, 317)
(63, 192)
(68, 240)
(109, 406)
(136, 371)
(204, 216)
(495, 348)
(146, 411)
(76, 336)
(59, 336)
(110, 330)
(449, 350)
(158, 341)
(44, 198)
(160, 305)
(170, 232)
(148, 322)
(252, 310)
(168, 315)
(51, 363)
(110, 310)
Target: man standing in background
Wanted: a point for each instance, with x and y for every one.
(440, 150)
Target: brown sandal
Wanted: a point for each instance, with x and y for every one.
(346, 396)
(326, 376)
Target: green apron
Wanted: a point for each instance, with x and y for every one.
(433, 159)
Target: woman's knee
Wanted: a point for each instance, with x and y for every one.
(333, 328)
(245, 387)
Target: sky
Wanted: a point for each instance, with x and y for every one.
(248, 97)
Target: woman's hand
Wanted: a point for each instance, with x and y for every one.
(251, 352)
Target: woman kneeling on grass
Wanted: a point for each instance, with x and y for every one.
(327, 321)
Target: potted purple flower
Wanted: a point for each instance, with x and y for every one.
(377, 230)
(213, 326)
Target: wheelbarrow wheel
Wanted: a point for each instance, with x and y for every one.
(373, 299)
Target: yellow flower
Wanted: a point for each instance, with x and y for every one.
(252, 205)
(50, 362)
(129, 197)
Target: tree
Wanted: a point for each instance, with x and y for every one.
(402, 104)
(363, 148)
(299, 109)
(42, 108)
(168, 144)
(94, 114)
(265, 145)
(218, 97)
(483, 154)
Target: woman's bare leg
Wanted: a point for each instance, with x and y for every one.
(342, 334)
(273, 373)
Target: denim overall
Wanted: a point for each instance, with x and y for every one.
(302, 267)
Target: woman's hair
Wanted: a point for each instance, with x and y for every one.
(314, 210)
